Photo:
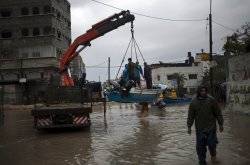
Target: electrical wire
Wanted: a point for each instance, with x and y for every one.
(226, 27)
(149, 16)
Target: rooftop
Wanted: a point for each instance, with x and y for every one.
(161, 64)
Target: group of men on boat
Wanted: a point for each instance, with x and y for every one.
(131, 76)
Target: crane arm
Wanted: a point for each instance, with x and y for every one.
(96, 31)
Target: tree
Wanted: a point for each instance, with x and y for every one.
(239, 42)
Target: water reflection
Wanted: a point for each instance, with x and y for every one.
(126, 135)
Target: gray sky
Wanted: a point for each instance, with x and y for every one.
(158, 40)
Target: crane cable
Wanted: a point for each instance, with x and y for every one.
(132, 44)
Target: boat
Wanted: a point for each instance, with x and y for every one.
(133, 96)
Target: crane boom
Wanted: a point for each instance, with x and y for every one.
(83, 40)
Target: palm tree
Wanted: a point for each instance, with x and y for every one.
(180, 80)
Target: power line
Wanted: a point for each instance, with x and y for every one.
(103, 66)
(96, 65)
(226, 27)
(149, 16)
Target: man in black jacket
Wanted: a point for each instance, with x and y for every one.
(148, 75)
(204, 110)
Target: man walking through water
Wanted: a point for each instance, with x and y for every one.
(204, 110)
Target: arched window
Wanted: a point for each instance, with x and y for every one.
(46, 9)
(25, 11)
(6, 34)
(36, 32)
(25, 32)
(35, 10)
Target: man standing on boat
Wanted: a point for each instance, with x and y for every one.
(148, 75)
(138, 73)
(131, 70)
(205, 111)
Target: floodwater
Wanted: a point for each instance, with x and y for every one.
(125, 136)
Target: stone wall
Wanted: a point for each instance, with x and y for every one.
(239, 83)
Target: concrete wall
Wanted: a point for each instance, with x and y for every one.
(239, 83)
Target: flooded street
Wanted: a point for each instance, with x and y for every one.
(125, 136)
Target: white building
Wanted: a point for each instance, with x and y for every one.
(162, 74)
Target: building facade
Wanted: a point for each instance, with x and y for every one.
(162, 73)
(238, 85)
(33, 36)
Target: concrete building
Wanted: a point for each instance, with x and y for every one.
(238, 85)
(33, 36)
(162, 73)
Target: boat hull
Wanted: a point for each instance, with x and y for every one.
(132, 97)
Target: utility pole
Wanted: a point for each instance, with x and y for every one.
(211, 48)
(108, 71)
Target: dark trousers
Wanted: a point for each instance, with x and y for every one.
(204, 139)
(148, 83)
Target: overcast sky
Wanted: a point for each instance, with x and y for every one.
(158, 40)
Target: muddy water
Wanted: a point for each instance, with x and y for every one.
(125, 136)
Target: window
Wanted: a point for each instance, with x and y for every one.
(68, 7)
(192, 90)
(158, 77)
(24, 11)
(192, 76)
(58, 15)
(36, 54)
(53, 30)
(6, 13)
(59, 34)
(4, 53)
(36, 32)
(6, 34)
(35, 10)
(25, 55)
(53, 10)
(170, 77)
(47, 30)
(25, 32)
(69, 24)
(58, 53)
(7, 53)
(46, 9)
(42, 75)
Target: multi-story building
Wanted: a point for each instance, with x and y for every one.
(163, 73)
(33, 36)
